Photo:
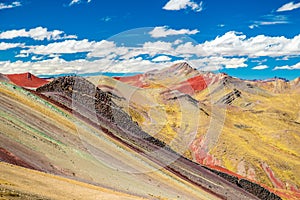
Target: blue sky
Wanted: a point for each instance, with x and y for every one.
(255, 39)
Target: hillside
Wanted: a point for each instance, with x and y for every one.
(27, 80)
(46, 134)
(250, 128)
(177, 124)
(17, 183)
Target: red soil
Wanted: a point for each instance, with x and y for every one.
(200, 154)
(202, 157)
(192, 85)
(26, 80)
(276, 182)
(9, 157)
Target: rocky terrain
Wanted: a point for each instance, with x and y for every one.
(85, 93)
(232, 117)
(196, 134)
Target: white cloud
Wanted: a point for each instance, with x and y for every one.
(106, 48)
(38, 33)
(176, 42)
(94, 49)
(260, 67)
(5, 46)
(217, 63)
(253, 26)
(60, 66)
(67, 46)
(237, 44)
(73, 2)
(229, 63)
(159, 47)
(270, 19)
(231, 50)
(148, 48)
(164, 31)
(12, 5)
(296, 66)
(22, 55)
(161, 59)
(288, 7)
(37, 58)
(183, 4)
(273, 23)
(106, 19)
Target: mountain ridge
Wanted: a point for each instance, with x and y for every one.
(144, 99)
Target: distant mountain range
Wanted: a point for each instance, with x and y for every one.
(206, 135)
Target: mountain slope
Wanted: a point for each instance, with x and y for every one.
(75, 125)
(50, 137)
(241, 125)
(27, 80)
(17, 183)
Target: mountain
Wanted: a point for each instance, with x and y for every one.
(70, 128)
(26, 80)
(250, 128)
(175, 133)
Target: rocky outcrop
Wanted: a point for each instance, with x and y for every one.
(256, 189)
(78, 93)
(230, 97)
(253, 188)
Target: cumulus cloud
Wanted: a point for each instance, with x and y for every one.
(61, 66)
(288, 7)
(164, 31)
(12, 5)
(106, 48)
(161, 59)
(260, 67)
(5, 46)
(64, 47)
(231, 50)
(158, 47)
(38, 33)
(216, 63)
(237, 44)
(296, 66)
(183, 4)
(93, 49)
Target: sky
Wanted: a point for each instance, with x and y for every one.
(255, 39)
